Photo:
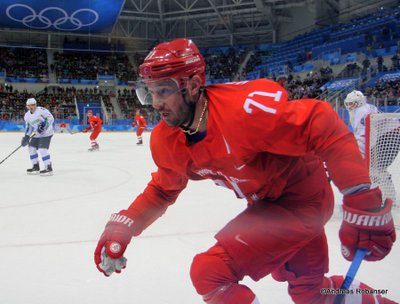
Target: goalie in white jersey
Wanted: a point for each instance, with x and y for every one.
(38, 121)
(383, 150)
(359, 109)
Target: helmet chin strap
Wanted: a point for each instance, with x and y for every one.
(192, 107)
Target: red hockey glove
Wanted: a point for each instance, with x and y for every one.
(367, 224)
(110, 249)
(85, 130)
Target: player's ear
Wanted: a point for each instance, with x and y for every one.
(194, 85)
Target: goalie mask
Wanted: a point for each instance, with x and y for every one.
(167, 69)
(354, 100)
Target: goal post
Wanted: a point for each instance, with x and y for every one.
(382, 145)
(62, 127)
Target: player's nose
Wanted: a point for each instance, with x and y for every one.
(157, 102)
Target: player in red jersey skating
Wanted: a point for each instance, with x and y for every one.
(140, 122)
(95, 124)
(248, 137)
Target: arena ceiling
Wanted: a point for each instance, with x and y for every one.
(139, 24)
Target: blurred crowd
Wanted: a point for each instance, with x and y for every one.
(84, 65)
(61, 101)
(24, 62)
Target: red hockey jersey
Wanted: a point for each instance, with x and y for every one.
(139, 121)
(254, 138)
(95, 122)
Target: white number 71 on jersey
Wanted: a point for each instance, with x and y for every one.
(251, 102)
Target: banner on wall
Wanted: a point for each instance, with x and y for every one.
(83, 16)
(341, 84)
(390, 76)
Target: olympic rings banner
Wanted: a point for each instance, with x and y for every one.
(82, 16)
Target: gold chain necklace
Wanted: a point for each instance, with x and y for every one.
(199, 123)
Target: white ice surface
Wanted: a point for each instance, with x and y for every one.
(49, 227)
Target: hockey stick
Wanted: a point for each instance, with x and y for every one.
(351, 273)
(33, 134)
(73, 133)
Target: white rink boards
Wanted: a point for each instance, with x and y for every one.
(49, 227)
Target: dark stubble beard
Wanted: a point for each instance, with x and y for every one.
(181, 117)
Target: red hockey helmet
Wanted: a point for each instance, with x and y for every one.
(176, 59)
(172, 63)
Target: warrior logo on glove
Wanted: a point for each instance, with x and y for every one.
(366, 220)
(367, 224)
(115, 217)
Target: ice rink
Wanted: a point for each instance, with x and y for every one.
(49, 228)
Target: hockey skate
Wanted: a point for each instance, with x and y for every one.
(94, 147)
(48, 171)
(139, 142)
(34, 170)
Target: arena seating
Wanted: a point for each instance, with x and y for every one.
(366, 49)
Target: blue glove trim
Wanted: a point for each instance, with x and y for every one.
(42, 126)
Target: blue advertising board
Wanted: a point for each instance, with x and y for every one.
(81, 16)
(340, 84)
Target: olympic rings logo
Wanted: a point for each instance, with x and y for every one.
(33, 20)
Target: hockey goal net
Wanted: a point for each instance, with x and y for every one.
(382, 154)
(62, 127)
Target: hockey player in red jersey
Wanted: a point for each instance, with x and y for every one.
(63, 127)
(141, 124)
(94, 125)
(248, 137)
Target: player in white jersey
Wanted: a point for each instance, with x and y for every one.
(38, 120)
(359, 109)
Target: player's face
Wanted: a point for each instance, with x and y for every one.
(89, 114)
(31, 108)
(168, 101)
(351, 105)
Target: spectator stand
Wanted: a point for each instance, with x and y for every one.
(361, 49)
(17, 63)
(384, 91)
(223, 63)
(107, 84)
(340, 45)
(2, 77)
